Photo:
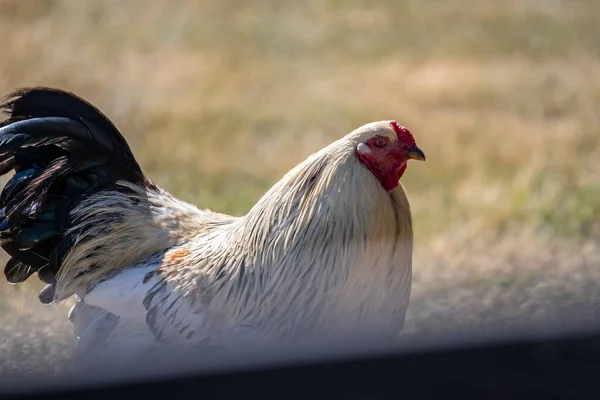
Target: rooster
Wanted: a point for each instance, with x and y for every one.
(327, 250)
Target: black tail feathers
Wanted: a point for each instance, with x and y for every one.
(61, 149)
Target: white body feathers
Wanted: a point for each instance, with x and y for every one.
(327, 251)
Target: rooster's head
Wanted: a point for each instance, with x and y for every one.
(384, 148)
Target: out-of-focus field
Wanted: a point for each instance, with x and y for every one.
(219, 98)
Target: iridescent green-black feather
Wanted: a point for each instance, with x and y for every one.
(61, 149)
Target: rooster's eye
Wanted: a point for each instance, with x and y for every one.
(380, 142)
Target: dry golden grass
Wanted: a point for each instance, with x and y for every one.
(219, 98)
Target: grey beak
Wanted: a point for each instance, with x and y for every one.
(416, 154)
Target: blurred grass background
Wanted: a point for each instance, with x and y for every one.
(219, 98)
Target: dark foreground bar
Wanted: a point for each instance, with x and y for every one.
(567, 367)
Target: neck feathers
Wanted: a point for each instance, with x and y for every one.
(330, 203)
(330, 236)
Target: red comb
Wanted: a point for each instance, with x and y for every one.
(403, 133)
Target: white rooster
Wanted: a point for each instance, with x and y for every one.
(328, 249)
